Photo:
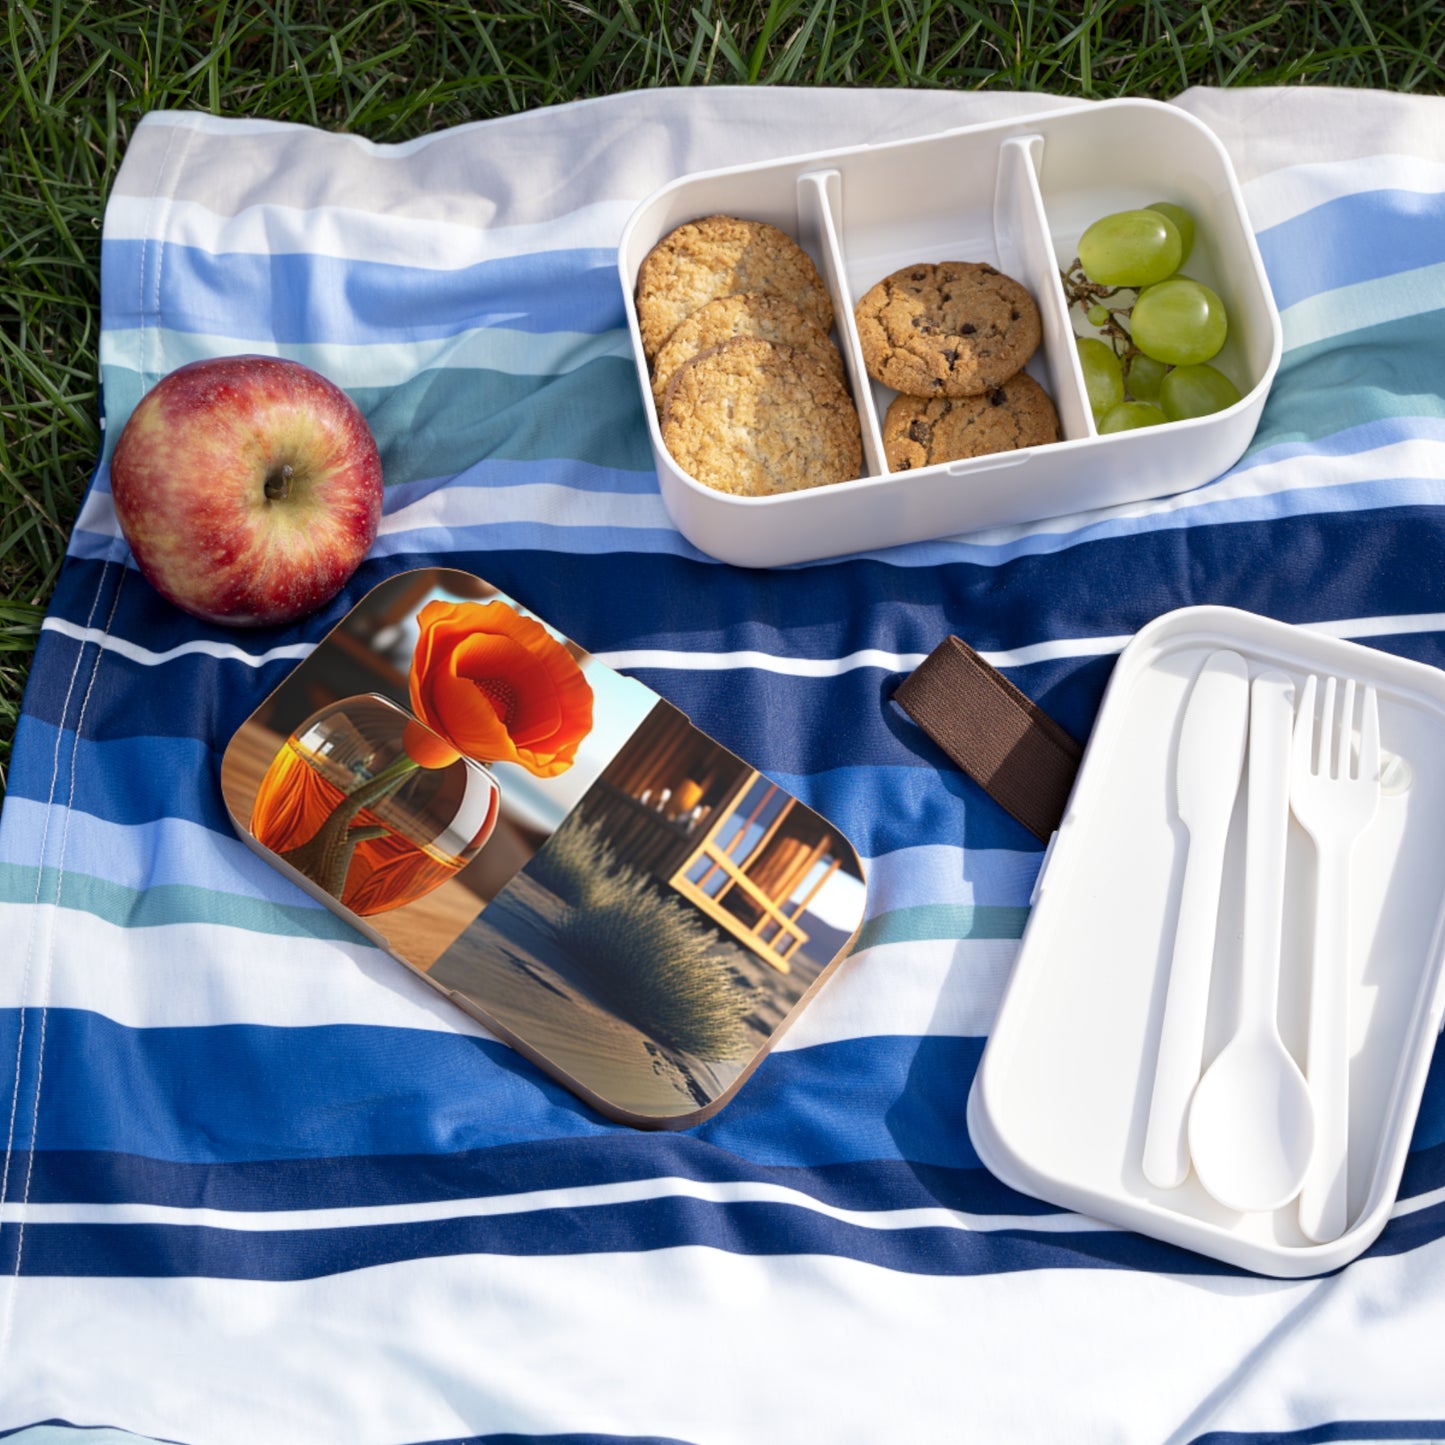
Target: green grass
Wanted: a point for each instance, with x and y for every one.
(76, 77)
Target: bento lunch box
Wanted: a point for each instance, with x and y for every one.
(1016, 195)
(1061, 1103)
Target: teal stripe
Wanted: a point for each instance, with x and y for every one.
(943, 920)
(1376, 374)
(167, 903)
(439, 423)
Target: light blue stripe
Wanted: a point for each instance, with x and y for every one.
(164, 853)
(307, 299)
(1353, 238)
(174, 852)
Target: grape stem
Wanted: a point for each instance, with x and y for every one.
(1081, 292)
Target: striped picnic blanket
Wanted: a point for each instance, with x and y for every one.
(259, 1184)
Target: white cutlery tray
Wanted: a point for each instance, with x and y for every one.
(1060, 1104)
(1016, 195)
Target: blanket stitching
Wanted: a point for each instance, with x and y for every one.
(162, 191)
(48, 971)
(30, 952)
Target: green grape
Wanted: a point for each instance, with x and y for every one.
(1196, 391)
(1098, 315)
(1179, 322)
(1144, 376)
(1130, 414)
(1130, 248)
(1103, 376)
(1183, 223)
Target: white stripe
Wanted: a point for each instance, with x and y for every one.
(591, 1196)
(595, 1196)
(696, 1343)
(196, 975)
(667, 659)
(359, 235)
(547, 503)
(1419, 457)
(1292, 191)
(925, 988)
(201, 647)
(358, 365)
(1362, 305)
(1418, 1202)
(670, 660)
(457, 506)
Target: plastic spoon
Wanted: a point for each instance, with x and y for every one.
(1251, 1122)
(1211, 754)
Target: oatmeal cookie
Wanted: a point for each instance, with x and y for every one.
(956, 328)
(752, 418)
(749, 313)
(717, 256)
(918, 432)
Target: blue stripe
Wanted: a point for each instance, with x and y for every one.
(1417, 1432)
(1350, 239)
(235, 1092)
(1378, 563)
(494, 472)
(299, 297)
(619, 1157)
(63, 1432)
(755, 1229)
(145, 779)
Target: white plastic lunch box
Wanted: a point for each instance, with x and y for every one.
(1016, 195)
(1060, 1104)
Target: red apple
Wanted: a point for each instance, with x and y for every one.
(249, 489)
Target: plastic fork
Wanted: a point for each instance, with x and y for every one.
(1334, 795)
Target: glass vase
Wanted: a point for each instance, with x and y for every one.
(345, 803)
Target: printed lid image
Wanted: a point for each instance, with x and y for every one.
(554, 847)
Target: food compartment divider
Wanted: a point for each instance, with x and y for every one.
(1026, 250)
(820, 212)
(1021, 248)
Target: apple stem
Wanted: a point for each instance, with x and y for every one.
(278, 484)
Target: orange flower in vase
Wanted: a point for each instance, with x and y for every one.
(499, 686)
(379, 809)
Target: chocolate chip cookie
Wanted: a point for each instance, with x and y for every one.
(918, 432)
(753, 418)
(749, 313)
(955, 328)
(717, 256)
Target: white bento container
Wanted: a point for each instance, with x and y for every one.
(1060, 1103)
(1016, 195)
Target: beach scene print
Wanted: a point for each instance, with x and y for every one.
(555, 846)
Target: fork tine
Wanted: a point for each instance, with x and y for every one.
(1304, 728)
(1344, 744)
(1370, 737)
(1327, 728)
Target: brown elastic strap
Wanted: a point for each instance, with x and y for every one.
(1008, 745)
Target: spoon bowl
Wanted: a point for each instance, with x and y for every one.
(1251, 1124)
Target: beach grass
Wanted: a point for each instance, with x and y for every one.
(643, 952)
(76, 77)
